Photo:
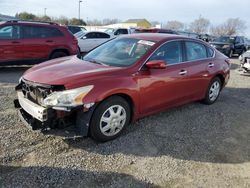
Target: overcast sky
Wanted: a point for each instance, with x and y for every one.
(217, 11)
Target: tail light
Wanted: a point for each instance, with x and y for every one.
(75, 41)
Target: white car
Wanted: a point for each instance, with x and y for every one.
(89, 40)
(118, 31)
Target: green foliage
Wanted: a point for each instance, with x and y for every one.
(75, 21)
(26, 16)
(61, 20)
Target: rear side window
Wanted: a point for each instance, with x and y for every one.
(40, 32)
(170, 52)
(210, 52)
(10, 32)
(91, 35)
(195, 51)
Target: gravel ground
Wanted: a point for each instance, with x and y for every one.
(190, 146)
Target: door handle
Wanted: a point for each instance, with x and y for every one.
(182, 72)
(210, 65)
(49, 41)
(15, 42)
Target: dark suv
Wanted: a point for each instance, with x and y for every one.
(26, 42)
(230, 45)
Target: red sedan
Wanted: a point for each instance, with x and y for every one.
(121, 81)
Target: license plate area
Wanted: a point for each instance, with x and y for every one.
(36, 111)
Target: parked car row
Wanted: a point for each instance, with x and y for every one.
(230, 45)
(34, 42)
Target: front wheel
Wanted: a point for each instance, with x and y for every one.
(109, 119)
(213, 91)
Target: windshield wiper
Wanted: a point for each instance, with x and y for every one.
(95, 61)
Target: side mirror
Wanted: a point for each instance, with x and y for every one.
(156, 64)
(84, 37)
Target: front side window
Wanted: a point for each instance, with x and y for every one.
(195, 51)
(10, 32)
(120, 52)
(170, 52)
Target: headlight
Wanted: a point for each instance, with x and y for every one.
(226, 46)
(68, 98)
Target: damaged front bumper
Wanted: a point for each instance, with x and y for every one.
(38, 117)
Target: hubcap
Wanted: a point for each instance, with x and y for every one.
(214, 91)
(113, 120)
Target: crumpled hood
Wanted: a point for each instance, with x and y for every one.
(67, 71)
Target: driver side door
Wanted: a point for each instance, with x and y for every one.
(164, 88)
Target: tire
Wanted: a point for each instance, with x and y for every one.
(213, 91)
(107, 123)
(57, 54)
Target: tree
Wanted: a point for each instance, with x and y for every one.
(232, 26)
(174, 25)
(26, 16)
(44, 18)
(61, 20)
(75, 21)
(200, 25)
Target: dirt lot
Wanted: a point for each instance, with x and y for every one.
(191, 146)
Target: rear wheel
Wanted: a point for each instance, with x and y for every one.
(58, 54)
(109, 119)
(213, 91)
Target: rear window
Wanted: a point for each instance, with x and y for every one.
(40, 32)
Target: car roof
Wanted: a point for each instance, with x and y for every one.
(86, 32)
(155, 37)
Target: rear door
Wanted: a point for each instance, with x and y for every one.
(199, 63)
(39, 41)
(11, 48)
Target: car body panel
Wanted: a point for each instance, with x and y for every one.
(32, 50)
(150, 90)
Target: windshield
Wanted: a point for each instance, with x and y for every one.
(110, 31)
(120, 52)
(225, 39)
